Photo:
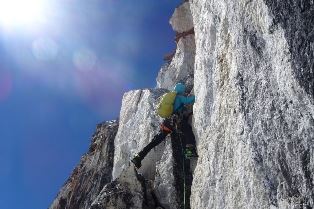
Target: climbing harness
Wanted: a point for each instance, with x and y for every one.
(165, 128)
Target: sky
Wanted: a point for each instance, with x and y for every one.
(64, 66)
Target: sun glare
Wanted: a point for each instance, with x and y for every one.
(17, 12)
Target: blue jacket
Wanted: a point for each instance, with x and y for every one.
(181, 100)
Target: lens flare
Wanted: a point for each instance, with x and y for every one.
(84, 59)
(16, 12)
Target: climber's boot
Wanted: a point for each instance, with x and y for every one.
(190, 151)
(137, 161)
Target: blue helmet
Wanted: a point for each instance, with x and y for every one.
(179, 88)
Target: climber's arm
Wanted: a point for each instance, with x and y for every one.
(187, 100)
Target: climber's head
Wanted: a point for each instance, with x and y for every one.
(179, 88)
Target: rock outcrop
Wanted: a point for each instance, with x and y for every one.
(124, 192)
(93, 172)
(250, 66)
(181, 67)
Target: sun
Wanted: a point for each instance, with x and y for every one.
(19, 13)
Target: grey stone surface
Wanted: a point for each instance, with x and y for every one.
(253, 121)
(296, 18)
(138, 125)
(126, 191)
(182, 19)
(181, 68)
(164, 183)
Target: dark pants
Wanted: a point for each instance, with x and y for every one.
(183, 125)
(156, 141)
(188, 135)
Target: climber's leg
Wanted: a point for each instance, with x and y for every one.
(156, 141)
(188, 132)
(141, 155)
(189, 139)
(164, 131)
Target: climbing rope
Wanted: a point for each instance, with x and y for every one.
(183, 167)
(184, 177)
(185, 162)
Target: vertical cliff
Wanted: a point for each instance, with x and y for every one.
(250, 66)
(254, 111)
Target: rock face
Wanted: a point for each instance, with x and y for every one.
(181, 67)
(93, 172)
(253, 119)
(250, 66)
(124, 192)
(297, 20)
(138, 124)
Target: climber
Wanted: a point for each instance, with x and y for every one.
(169, 124)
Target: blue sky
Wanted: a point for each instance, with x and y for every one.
(62, 74)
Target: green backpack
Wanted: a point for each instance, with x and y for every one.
(165, 107)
